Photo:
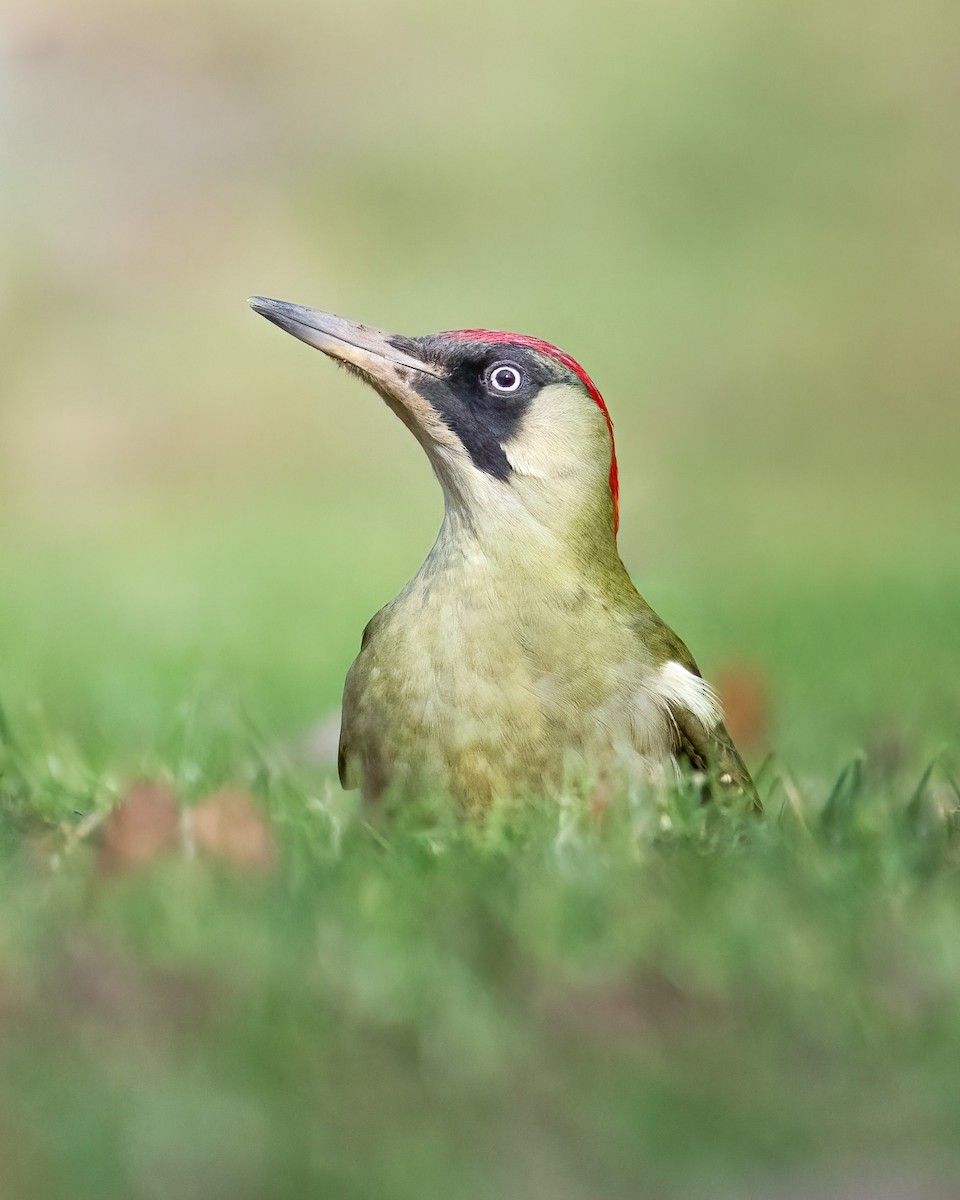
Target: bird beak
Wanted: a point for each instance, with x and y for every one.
(367, 349)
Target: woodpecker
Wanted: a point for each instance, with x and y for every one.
(519, 659)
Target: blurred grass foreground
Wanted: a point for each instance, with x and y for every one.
(742, 218)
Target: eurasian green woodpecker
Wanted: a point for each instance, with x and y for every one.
(520, 659)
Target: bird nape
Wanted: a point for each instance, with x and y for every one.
(520, 659)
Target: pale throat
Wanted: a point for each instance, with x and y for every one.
(532, 532)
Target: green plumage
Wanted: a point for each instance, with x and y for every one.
(492, 676)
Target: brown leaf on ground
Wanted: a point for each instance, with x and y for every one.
(144, 825)
(746, 706)
(229, 826)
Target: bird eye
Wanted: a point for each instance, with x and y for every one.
(505, 377)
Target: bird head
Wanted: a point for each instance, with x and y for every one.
(515, 429)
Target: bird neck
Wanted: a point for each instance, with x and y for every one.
(536, 546)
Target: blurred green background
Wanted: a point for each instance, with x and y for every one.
(742, 218)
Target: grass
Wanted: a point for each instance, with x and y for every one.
(678, 1001)
(681, 1000)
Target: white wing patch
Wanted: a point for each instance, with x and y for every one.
(674, 684)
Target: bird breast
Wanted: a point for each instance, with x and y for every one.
(489, 685)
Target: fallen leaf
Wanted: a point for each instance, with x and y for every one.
(746, 706)
(229, 826)
(144, 825)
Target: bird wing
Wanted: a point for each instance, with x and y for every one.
(712, 752)
(700, 737)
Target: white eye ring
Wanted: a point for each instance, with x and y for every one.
(505, 378)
